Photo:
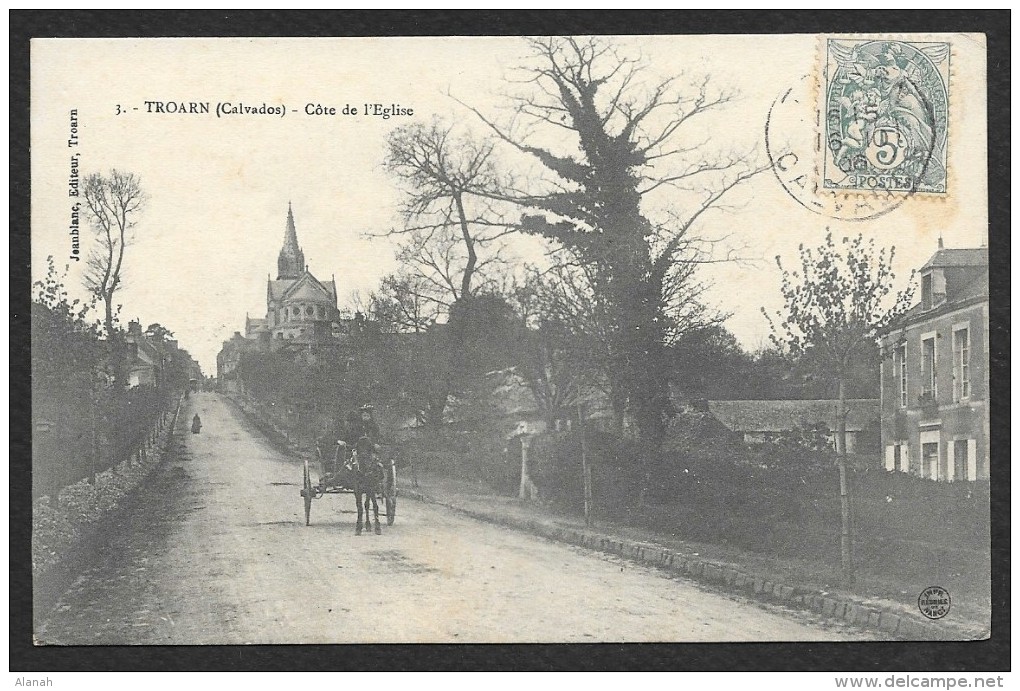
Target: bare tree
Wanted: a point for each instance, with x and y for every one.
(621, 140)
(454, 225)
(449, 183)
(546, 353)
(566, 351)
(405, 302)
(835, 307)
(112, 202)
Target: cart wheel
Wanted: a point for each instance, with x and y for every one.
(307, 493)
(391, 495)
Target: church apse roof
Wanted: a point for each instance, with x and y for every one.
(306, 288)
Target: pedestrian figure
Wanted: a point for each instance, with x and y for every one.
(196, 424)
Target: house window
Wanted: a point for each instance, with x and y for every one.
(928, 368)
(901, 370)
(961, 364)
(926, 294)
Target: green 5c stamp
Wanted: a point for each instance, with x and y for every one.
(886, 116)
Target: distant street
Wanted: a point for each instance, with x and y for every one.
(218, 553)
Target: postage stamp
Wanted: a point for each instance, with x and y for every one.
(886, 116)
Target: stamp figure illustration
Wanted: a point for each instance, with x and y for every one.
(886, 117)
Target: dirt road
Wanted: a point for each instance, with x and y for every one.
(217, 552)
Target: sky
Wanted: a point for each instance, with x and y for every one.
(217, 188)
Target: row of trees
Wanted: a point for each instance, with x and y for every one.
(602, 166)
(86, 418)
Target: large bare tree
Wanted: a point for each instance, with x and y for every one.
(607, 139)
(112, 202)
(454, 228)
(449, 182)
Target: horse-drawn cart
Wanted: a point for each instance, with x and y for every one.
(352, 473)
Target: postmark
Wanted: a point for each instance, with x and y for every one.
(793, 143)
(886, 116)
(934, 602)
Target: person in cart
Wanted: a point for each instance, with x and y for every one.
(362, 432)
(332, 445)
(367, 426)
(364, 438)
(343, 436)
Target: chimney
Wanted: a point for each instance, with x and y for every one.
(941, 246)
(135, 327)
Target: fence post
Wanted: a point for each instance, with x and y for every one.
(585, 468)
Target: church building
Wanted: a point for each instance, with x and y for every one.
(301, 313)
(301, 310)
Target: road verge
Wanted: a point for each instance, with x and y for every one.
(725, 576)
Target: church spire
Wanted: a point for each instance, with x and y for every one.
(291, 261)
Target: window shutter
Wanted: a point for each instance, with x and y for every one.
(905, 458)
(972, 459)
(950, 460)
(890, 457)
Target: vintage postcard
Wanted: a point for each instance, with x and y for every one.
(507, 340)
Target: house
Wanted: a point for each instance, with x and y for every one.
(229, 358)
(152, 358)
(935, 417)
(145, 358)
(768, 420)
(505, 402)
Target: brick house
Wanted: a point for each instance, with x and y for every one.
(935, 418)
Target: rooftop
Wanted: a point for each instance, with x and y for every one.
(958, 257)
(786, 415)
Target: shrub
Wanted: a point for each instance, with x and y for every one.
(464, 455)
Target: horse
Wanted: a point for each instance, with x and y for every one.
(368, 478)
